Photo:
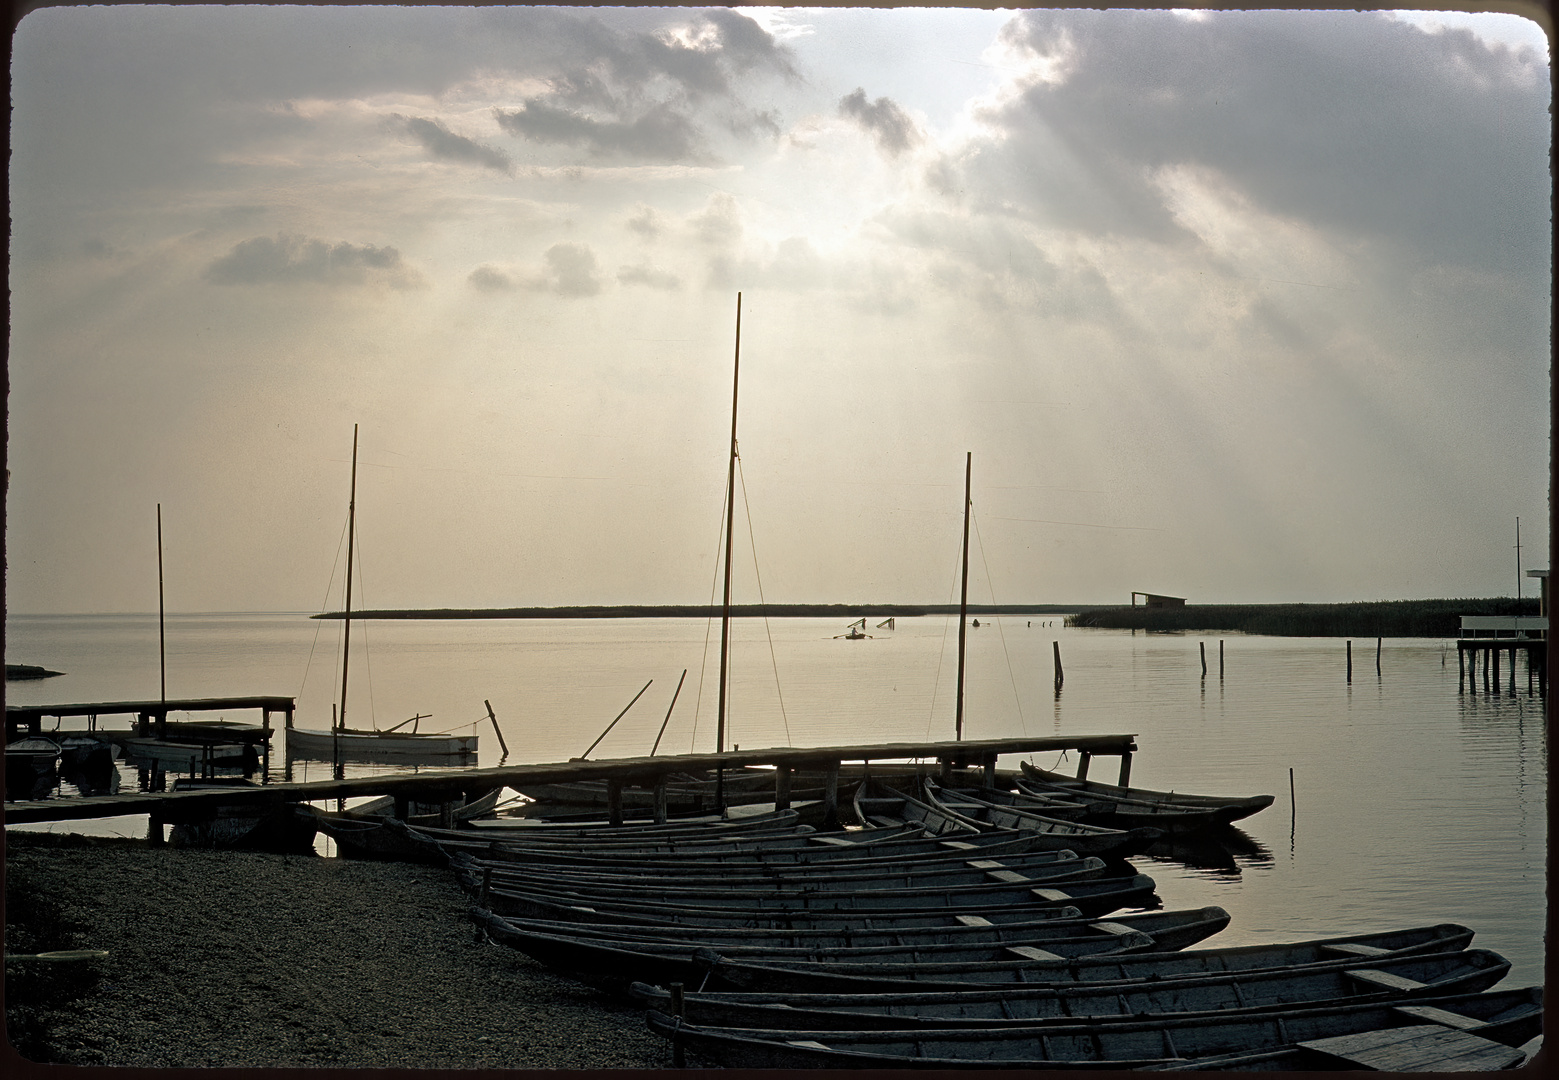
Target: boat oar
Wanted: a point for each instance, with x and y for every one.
(666, 721)
(613, 724)
(501, 744)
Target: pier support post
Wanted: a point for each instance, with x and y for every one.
(1083, 759)
(990, 770)
(831, 795)
(1494, 657)
(1461, 656)
(614, 801)
(1125, 780)
(782, 787)
(660, 799)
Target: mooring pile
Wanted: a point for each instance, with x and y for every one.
(955, 925)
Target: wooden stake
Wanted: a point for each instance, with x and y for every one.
(1350, 663)
(1056, 647)
(1220, 658)
(1202, 645)
(1377, 657)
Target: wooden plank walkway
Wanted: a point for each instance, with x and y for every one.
(447, 784)
(145, 712)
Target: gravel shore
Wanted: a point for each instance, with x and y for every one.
(223, 958)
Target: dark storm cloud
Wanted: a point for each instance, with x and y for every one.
(659, 134)
(1353, 122)
(291, 259)
(650, 94)
(890, 125)
(444, 144)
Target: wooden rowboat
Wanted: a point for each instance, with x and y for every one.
(1129, 800)
(1487, 1021)
(1170, 930)
(774, 976)
(1432, 975)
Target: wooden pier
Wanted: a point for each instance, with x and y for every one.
(649, 772)
(1507, 637)
(151, 717)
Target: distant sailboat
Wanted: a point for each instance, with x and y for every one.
(342, 743)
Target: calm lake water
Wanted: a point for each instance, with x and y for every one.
(1413, 804)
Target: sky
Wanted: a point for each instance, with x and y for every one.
(1245, 307)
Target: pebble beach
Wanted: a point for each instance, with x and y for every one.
(225, 958)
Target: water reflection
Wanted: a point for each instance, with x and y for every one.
(1224, 850)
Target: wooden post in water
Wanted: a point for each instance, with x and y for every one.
(1461, 655)
(1377, 657)
(1056, 648)
(1202, 645)
(1494, 661)
(1220, 658)
(497, 731)
(1350, 663)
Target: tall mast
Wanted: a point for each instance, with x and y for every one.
(351, 532)
(963, 602)
(730, 521)
(162, 652)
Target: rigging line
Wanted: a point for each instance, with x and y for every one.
(754, 544)
(373, 715)
(703, 666)
(320, 623)
(990, 584)
(941, 656)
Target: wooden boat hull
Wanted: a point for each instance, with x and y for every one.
(614, 965)
(767, 976)
(371, 746)
(1432, 975)
(1504, 1017)
(1169, 930)
(1226, 808)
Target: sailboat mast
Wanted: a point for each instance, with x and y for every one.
(730, 522)
(963, 602)
(162, 652)
(351, 532)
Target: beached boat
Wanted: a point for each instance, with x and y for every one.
(1485, 1022)
(1170, 930)
(614, 964)
(1429, 975)
(879, 805)
(860, 875)
(805, 978)
(1129, 801)
(243, 826)
(1172, 821)
(30, 765)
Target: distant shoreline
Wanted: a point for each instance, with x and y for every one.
(1381, 618)
(702, 611)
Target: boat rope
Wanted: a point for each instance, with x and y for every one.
(320, 623)
(752, 541)
(989, 583)
(714, 583)
(952, 591)
(362, 592)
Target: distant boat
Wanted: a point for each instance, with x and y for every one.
(340, 743)
(855, 632)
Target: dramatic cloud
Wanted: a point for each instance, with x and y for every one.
(445, 145)
(1428, 140)
(294, 259)
(659, 134)
(890, 125)
(650, 276)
